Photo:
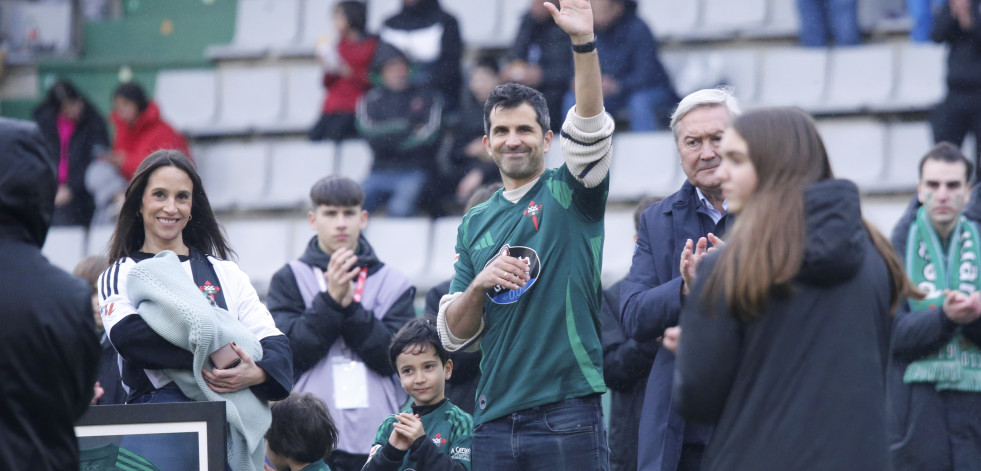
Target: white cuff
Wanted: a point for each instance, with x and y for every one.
(450, 342)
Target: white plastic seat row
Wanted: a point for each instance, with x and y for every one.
(241, 99)
(719, 19)
(261, 175)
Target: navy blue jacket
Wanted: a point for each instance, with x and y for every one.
(650, 301)
(629, 54)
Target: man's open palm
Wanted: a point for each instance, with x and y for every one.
(575, 17)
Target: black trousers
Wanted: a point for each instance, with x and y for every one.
(956, 116)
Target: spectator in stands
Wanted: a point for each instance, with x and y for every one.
(461, 388)
(821, 19)
(166, 213)
(626, 364)
(525, 288)
(49, 351)
(473, 166)
(922, 12)
(540, 58)
(108, 387)
(634, 80)
(140, 129)
(74, 131)
(430, 38)
(402, 123)
(958, 25)
(301, 435)
(931, 412)
(788, 324)
(340, 306)
(653, 293)
(346, 72)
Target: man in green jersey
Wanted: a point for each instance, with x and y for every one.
(527, 281)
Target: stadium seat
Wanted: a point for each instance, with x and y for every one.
(781, 21)
(317, 23)
(643, 164)
(98, 238)
(251, 97)
(300, 235)
(727, 18)
(908, 143)
(884, 214)
(479, 22)
(294, 167)
(304, 98)
(618, 246)
(262, 248)
(860, 77)
(233, 173)
(65, 246)
(920, 76)
(188, 98)
(670, 19)
(404, 244)
(354, 159)
(443, 253)
(857, 150)
(793, 77)
(260, 26)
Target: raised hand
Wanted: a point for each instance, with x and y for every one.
(340, 274)
(575, 18)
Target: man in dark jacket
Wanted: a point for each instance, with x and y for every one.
(48, 348)
(634, 80)
(652, 294)
(932, 419)
(340, 307)
(541, 59)
(430, 38)
(626, 364)
(959, 25)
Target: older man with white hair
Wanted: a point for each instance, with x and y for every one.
(652, 295)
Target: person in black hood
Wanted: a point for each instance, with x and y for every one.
(340, 307)
(49, 351)
(74, 131)
(784, 340)
(430, 38)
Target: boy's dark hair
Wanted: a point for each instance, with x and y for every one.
(356, 14)
(947, 152)
(336, 191)
(420, 332)
(510, 96)
(301, 428)
(133, 92)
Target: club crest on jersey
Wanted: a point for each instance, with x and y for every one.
(501, 295)
(209, 289)
(533, 211)
(438, 440)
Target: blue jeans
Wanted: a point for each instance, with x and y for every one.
(398, 189)
(641, 106)
(921, 11)
(568, 434)
(820, 17)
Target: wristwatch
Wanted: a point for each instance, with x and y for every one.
(584, 48)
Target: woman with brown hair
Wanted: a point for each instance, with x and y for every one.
(165, 328)
(786, 333)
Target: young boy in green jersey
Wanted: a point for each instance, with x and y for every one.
(301, 434)
(435, 434)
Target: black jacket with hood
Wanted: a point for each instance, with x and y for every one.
(803, 386)
(49, 350)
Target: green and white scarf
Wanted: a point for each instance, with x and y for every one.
(957, 366)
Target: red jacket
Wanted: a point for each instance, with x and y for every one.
(343, 92)
(148, 134)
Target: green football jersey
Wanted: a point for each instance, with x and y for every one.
(541, 344)
(448, 427)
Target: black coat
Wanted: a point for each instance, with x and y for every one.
(90, 138)
(964, 59)
(49, 350)
(803, 386)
